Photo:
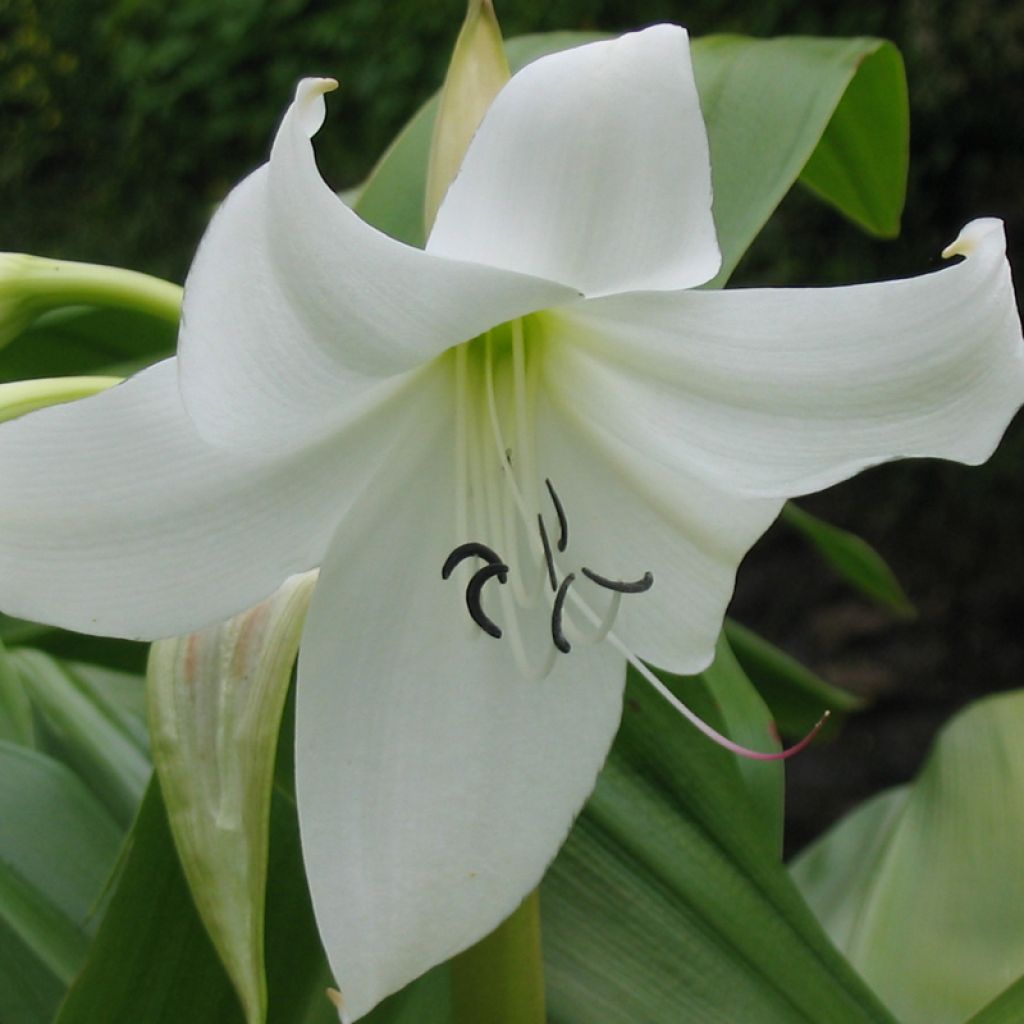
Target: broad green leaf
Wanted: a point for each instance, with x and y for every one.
(923, 888)
(152, 962)
(768, 104)
(428, 1000)
(84, 340)
(122, 695)
(668, 905)
(87, 731)
(58, 845)
(500, 979)
(100, 650)
(215, 703)
(796, 695)
(1006, 1008)
(747, 720)
(16, 724)
(29, 991)
(853, 559)
(860, 164)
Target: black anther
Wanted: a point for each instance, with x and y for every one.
(557, 636)
(473, 549)
(480, 577)
(622, 586)
(563, 525)
(552, 575)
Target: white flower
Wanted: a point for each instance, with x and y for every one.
(348, 401)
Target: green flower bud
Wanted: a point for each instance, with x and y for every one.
(476, 74)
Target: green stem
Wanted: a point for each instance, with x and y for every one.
(500, 980)
(49, 284)
(20, 397)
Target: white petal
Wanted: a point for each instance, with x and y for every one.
(118, 519)
(591, 168)
(435, 783)
(627, 515)
(294, 306)
(781, 392)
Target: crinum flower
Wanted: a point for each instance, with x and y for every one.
(540, 405)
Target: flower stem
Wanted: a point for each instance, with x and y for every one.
(501, 979)
(23, 396)
(50, 284)
(40, 284)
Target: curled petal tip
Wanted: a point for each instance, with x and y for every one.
(310, 88)
(338, 1001)
(308, 105)
(972, 235)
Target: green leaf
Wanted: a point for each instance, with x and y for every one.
(796, 695)
(88, 731)
(215, 704)
(128, 655)
(428, 1000)
(860, 164)
(923, 888)
(769, 105)
(853, 559)
(1006, 1008)
(152, 962)
(747, 720)
(667, 904)
(57, 847)
(83, 340)
(500, 979)
(16, 724)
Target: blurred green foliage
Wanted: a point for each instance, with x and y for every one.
(124, 122)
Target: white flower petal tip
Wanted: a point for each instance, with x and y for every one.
(984, 230)
(337, 1000)
(297, 312)
(591, 168)
(308, 106)
(776, 392)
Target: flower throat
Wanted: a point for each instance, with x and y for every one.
(499, 497)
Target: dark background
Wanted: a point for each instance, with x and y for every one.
(123, 123)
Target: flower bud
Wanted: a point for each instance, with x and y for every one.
(476, 74)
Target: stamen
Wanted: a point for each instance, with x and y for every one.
(563, 525)
(476, 611)
(692, 717)
(557, 635)
(548, 558)
(472, 549)
(577, 635)
(709, 731)
(621, 586)
(508, 488)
